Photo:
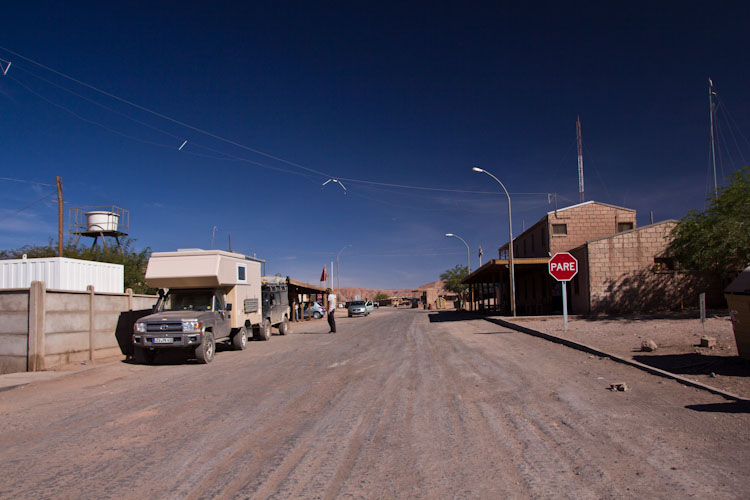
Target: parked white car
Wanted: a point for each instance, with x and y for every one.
(360, 308)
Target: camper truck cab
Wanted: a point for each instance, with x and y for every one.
(205, 297)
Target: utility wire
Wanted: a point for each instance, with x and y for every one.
(223, 157)
(27, 206)
(216, 136)
(165, 117)
(91, 122)
(27, 182)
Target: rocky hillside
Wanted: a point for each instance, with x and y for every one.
(348, 293)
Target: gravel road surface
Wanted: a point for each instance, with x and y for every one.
(407, 404)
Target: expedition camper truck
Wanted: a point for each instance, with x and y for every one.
(205, 296)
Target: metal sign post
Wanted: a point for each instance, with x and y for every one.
(563, 267)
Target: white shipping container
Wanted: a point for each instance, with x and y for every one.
(61, 273)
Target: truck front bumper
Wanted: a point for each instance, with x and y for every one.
(167, 340)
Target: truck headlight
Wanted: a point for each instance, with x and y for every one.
(139, 328)
(191, 326)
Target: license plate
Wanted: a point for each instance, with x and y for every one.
(163, 340)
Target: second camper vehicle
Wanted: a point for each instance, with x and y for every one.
(205, 297)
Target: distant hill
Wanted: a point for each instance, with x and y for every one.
(348, 293)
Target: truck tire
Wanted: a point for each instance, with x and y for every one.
(239, 340)
(284, 326)
(204, 353)
(264, 332)
(144, 356)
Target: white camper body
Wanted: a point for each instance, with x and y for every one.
(235, 274)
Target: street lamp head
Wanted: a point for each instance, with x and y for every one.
(477, 169)
(449, 234)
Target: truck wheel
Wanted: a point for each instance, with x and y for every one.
(264, 333)
(239, 340)
(317, 315)
(284, 326)
(204, 353)
(144, 356)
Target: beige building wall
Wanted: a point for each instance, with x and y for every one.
(618, 274)
(582, 222)
(586, 222)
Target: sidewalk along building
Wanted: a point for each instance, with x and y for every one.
(622, 267)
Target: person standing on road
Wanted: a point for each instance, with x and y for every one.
(331, 310)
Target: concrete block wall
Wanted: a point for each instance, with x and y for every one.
(534, 242)
(579, 286)
(621, 275)
(49, 328)
(586, 222)
(14, 330)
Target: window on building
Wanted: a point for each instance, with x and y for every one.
(624, 226)
(559, 229)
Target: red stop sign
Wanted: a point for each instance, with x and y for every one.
(563, 266)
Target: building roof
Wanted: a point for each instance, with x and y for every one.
(673, 221)
(587, 203)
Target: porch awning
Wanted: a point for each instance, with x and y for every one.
(489, 271)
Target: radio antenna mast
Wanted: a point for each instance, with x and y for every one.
(711, 95)
(580, 158)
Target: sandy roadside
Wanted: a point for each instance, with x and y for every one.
(678, 339)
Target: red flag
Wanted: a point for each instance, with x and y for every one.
(324, 276)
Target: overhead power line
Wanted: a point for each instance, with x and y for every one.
(209, 134)
(27, 182)
(27, 206)
(164, 117)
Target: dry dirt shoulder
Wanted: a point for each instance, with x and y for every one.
(677, 337)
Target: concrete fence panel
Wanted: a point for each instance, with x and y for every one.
(41, 329)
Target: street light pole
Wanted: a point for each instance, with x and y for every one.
(338, 273)
(510, 243)
(468, 259)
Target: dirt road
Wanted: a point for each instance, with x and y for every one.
(401, 404)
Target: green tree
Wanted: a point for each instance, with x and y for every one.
(451, 279)
(716, 240)
(133, 261)
(381, 296)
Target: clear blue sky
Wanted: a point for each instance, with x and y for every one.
(381, 94)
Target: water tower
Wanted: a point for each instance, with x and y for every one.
(99, 222)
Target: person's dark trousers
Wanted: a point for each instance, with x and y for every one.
(332, 321)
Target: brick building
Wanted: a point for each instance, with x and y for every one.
(621, 267)
(627, 272)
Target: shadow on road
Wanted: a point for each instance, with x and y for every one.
(441, 316)
(698, 364)
(729, 407)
